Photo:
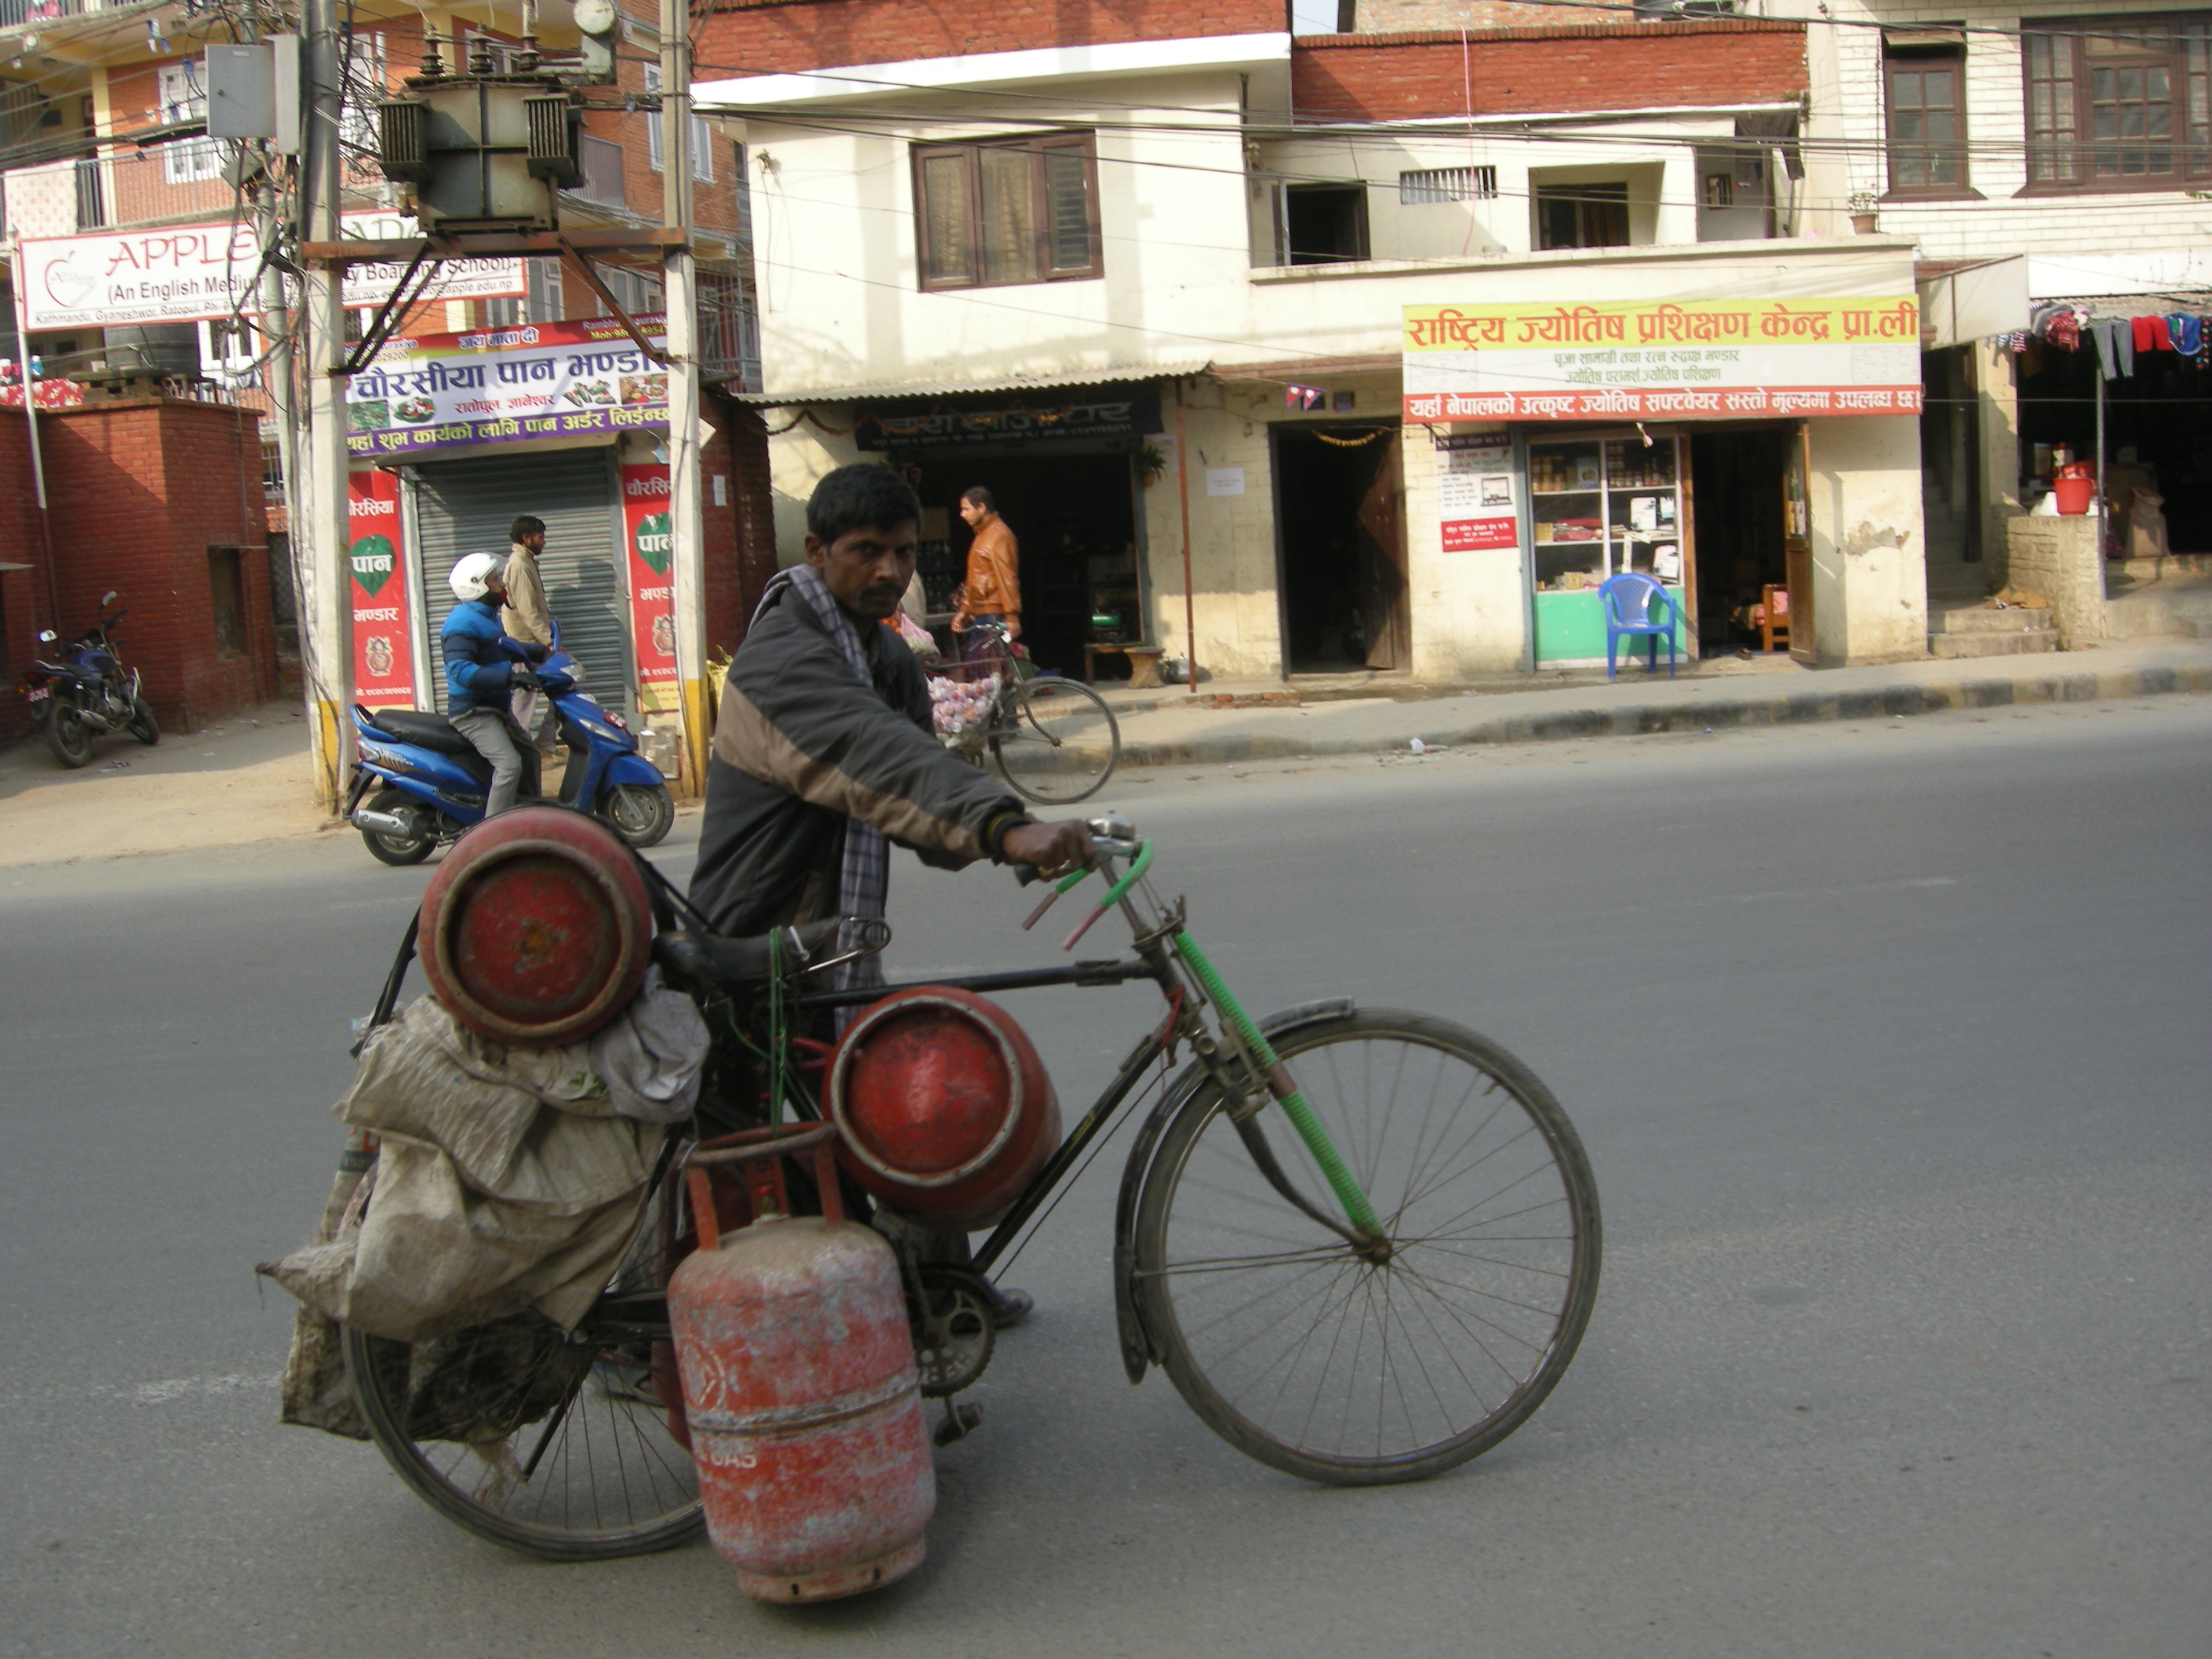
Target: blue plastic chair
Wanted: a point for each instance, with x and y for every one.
(1640, 608)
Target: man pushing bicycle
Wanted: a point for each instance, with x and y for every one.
(825, 753)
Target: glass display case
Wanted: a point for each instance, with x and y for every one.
(1601, 505)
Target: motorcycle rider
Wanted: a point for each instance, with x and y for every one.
(483, 667)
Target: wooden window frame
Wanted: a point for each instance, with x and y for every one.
(970, 151)
(2056, 62)
(1913, 56)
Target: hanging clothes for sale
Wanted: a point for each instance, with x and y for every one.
(2187, 334)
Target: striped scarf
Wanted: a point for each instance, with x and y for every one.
(864, 878)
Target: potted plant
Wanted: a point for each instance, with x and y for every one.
(1863, 211)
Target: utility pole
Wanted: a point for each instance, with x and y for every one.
(328, 623)
(680, 287)
(277, 368)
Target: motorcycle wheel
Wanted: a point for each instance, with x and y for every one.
(67, 736)
(641, 813)
(396, 849)
(143, 726)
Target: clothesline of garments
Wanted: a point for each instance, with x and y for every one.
(2118, 340)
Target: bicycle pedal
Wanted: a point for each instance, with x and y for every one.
(960, 1422)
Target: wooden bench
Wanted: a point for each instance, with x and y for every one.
(1144, 662)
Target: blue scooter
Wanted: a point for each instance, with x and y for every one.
(433, 782)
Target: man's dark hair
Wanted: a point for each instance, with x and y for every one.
(525, 525)
(861, 496)
(982, 497)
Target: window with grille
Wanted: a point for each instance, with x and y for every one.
(1924, 93)
(1427, 185)
(1582, 215)
(702, 135)
(1007, 211)
(184, 98)
(2118, 103)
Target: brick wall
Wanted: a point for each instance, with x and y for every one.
(1388, 16)
(2058, 558)
(740, 539)
(141, 489)
(1384, 77)
(776, 37)
(22, 592)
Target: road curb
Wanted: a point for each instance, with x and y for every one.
(1898, 700)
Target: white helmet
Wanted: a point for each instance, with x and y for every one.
(469, 578)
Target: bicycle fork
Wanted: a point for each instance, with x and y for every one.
(1366, 1231)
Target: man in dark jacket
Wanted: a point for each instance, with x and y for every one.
(824, 746)
(483, 668)
(824, 752)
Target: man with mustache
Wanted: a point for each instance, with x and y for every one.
(825, 753)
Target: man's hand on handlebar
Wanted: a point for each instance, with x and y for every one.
(1054, 848)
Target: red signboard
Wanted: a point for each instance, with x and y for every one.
(652, 559)
(383, 641)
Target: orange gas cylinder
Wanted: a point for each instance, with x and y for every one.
(943, 1106)
(537, 929)
(799, 1386)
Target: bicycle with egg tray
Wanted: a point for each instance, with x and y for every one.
(1364, 1244)
(1053, 740)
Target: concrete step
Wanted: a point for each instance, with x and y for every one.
(2026, 643)
(2166, 569)
(2156, 608)
(1985, 619)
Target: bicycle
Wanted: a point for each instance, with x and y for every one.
(1362, 1243)
(1053, 740)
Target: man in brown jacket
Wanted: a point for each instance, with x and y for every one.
(524, 616)
(993, 591)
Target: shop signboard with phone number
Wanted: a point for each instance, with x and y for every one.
(646, 533)
(1710, 359)
(576, 380)
(383, 641)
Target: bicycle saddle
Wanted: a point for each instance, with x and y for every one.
(710, 958)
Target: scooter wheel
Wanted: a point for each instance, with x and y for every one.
(642, 814)
(396, 849)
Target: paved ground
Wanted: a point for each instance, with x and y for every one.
(1887, 1039)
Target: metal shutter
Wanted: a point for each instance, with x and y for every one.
(465, 506)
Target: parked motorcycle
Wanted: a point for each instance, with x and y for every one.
(419, 783)
(88, 693)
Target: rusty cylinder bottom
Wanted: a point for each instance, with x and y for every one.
(838, 1581)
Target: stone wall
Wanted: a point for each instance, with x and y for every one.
(2060, 558)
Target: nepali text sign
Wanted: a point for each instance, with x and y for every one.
(1665, 360)
(190, 273)
(1475, 506)
(1123, 418)
(575, 379)
(648, 535)
(383, 642)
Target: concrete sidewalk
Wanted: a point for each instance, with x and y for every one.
(1164, 728)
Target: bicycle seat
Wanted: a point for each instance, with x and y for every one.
(711, 958)
(424, 731)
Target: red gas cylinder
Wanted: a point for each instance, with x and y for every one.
(801, 1390)
(944, 1108)
(536, 928)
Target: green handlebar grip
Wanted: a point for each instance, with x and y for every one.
(1120, 890)
(1067, 882)
(1357, 1209)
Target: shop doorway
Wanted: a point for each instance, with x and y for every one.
(1749, 488)
(465, 506)
(1075, 519)
(1341, 534)
(2155, 433)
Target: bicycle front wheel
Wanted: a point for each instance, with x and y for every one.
(1056, 742)
(1364, 1366)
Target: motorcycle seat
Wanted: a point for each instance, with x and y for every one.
(424, 731)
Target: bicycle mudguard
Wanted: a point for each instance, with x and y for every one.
(1139, 1350)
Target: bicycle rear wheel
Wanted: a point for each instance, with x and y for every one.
(556, 1444)
(1363, 1368)
(1056, 742)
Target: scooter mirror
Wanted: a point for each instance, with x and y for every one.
(108, 598)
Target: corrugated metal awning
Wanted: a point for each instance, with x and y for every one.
(897, 392)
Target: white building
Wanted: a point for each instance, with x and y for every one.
(1153, 294)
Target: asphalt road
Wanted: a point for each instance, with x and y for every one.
(1888, 1042)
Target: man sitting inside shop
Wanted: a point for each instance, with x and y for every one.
(824, 754)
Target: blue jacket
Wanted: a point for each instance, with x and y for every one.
(479, 657)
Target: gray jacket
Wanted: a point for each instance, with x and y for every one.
(799, 746)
